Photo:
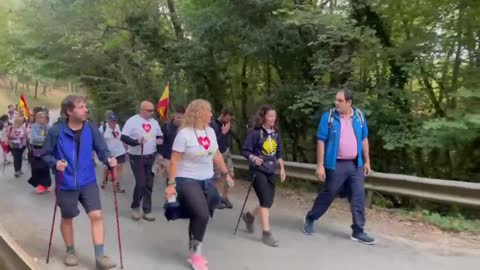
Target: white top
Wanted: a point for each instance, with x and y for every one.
(136, 127)
(198, 152)
(112, 139)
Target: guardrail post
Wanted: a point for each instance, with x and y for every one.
(369, 199)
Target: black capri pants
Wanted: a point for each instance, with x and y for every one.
(199, 198)
(264, 186)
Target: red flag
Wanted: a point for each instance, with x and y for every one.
(162, 105)
(23, 107)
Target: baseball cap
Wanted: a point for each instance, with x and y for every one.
(112, 117)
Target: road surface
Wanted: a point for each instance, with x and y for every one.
(163, 245)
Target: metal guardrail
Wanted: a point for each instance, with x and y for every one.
(445, 191)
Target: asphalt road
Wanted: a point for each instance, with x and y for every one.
(163, 245)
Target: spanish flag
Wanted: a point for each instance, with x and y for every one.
(162, 105)
(23, 107)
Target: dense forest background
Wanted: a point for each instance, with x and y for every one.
(414, 66)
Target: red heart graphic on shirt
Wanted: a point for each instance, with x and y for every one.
(147, 127)
(204, 141)
(17, 133)
(115, 134)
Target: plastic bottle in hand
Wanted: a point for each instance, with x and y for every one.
(172, 199)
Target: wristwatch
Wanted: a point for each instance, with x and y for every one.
(171, 182)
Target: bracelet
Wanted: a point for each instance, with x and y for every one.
(171, 182)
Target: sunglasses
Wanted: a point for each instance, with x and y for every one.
(150, 111)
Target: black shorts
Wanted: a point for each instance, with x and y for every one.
(88, 196)
(264, 186)
(121, 159)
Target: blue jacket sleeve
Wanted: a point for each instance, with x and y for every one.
(99, 145)
(365, 128)
(250, 144)
(322, 134)
(49, 146)
(36, 135)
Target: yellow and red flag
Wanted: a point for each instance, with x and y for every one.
(162, 105)
(23, 107)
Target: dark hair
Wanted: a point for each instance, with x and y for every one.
(347, 94)
(260, 116)
(180, 109)
(4, 118)
(227, 111)
(68, 104)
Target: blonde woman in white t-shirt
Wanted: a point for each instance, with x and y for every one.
(195, 150)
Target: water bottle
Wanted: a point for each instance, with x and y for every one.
(172, 199)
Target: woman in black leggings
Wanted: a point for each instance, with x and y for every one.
(263, 147)
(194, 151)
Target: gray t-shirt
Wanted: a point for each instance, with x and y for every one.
(198, 148)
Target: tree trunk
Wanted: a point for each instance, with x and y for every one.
(244, 94)
(175, 21)
(15, 88)
(36, 89)
(44, 91)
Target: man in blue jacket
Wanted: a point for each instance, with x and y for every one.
(343, 160)
(68, 148)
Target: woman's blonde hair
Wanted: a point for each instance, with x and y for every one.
(19, 121)
(193, 110)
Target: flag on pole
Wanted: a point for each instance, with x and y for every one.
(162, 105)
(23, 107)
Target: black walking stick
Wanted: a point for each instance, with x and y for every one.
(114, 184)
(57, 194)
(244, 203)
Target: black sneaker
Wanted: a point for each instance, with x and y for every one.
(120, 189)
(227, 203)
(363, 238)
(249, 220)
(221, 205)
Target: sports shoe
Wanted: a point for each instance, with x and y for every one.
(104, 263)
(249, 219)
(148, 217)
(308, 226)
(120, 189)
(197, 262)
(40, 189)
(227, 203)
(267, 239)
(136, 214)
(71, 259)
(363, 238)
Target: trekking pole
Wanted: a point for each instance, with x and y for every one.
(112, 171)
(59, 183)
(244, 203)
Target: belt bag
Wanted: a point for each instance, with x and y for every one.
(269, 165)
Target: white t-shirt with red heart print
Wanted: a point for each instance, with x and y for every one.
(112, 139)
(137, 127)
(198, 147)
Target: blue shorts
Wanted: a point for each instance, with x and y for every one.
(88, 196)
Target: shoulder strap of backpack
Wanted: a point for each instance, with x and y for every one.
(104, 127)
(360, 115)
(330, 117)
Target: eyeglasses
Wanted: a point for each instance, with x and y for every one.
(150, 111)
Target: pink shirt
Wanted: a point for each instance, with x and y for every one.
(347, 147)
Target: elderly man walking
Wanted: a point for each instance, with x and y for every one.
(142, 134)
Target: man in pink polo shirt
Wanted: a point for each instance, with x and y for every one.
(343, 160)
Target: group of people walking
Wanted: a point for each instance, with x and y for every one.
(192, 154)
(23, 138)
